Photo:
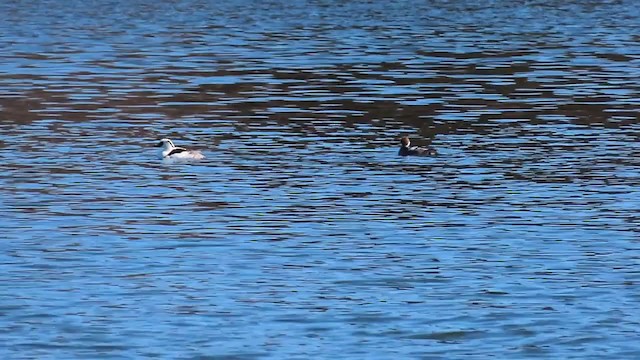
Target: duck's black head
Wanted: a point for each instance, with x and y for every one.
(405, 142)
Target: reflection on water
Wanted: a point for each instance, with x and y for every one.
(303, 234)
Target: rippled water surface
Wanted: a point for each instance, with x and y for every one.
(303, 235)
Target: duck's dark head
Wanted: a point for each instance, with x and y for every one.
(405, 142)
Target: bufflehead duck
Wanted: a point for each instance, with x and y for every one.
(172, 152)
(406, 149)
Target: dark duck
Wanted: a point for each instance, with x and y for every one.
(407, 150)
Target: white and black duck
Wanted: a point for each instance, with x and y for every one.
(170, 152)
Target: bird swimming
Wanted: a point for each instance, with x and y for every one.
(174, 153)
(406, 149)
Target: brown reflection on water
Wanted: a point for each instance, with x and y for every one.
(504, 102)
(455, 98)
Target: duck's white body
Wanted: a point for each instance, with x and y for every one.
(172, 153)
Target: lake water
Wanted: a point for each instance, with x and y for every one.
(303, 235)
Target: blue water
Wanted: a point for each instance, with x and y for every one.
(303, 235)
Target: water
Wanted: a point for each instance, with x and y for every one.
(303, 235)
